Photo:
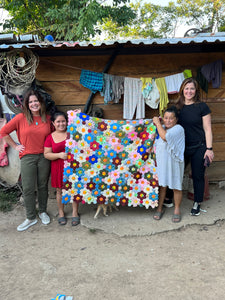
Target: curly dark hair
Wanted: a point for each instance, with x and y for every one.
(26, 110)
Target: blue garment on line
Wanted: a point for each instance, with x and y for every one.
(92, 80)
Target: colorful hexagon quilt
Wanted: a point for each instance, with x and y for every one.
(110, 161)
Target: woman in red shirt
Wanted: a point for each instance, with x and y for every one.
(32, 126)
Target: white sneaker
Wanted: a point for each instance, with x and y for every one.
(44, 218)
(26, 224)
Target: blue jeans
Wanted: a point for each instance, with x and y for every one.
(35, 171)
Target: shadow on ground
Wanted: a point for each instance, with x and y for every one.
(130, 221)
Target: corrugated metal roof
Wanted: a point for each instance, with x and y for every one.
(159, 43)
(18, 42)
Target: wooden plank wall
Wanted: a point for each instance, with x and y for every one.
(60, 78)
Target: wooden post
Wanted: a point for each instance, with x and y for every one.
(105, 70)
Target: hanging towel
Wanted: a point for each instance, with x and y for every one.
(187, 73)
(153, 97)
(213, 72)
(133, 99)
(3, 145)
(146, 87)
(146, 82)
(92, 80)
(173, 83)
(161, 85)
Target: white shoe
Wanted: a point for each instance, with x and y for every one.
(44, 218)
(26, 224)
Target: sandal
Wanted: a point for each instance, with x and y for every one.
(176, 218)
(62, 221)
(158, 215)
(75, 221)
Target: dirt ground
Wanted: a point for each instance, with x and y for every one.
(185, 262)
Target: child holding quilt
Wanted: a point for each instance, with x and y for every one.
(170, 160)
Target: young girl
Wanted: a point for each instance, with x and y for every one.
(170, 160)
(54, 150)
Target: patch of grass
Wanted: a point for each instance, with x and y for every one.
(8, 197)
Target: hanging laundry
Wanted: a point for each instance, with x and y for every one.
(107, 87)
(161, 85)
(213, 72)
(133, 99)
(113, 88)
(173, 83)
(117, 88)
(153, 96)
(202, 81)
(3, 145)
(146, 86)
(187, 73)
(92, 80)
(146, 81)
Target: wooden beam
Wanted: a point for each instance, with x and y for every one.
(105, 70)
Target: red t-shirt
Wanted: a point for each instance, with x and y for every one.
(32, 136)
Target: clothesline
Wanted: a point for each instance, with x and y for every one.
(63, 65)
(138, 91)
(77, 68)
(94, 81)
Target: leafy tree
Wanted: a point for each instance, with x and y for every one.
(203, 13)
(63, 19)
(152, 21)
(157, 21)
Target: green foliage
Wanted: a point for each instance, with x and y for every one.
(83, 19)
(63, 19)
(202, 13)
(8, 197)
(154, 21)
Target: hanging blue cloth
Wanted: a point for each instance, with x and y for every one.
(92, 80)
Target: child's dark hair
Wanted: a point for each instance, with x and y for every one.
(172, 109)
(58, 113)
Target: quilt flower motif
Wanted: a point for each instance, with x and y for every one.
(110, 161)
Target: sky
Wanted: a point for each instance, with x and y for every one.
(160, 2)
(182, 28)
